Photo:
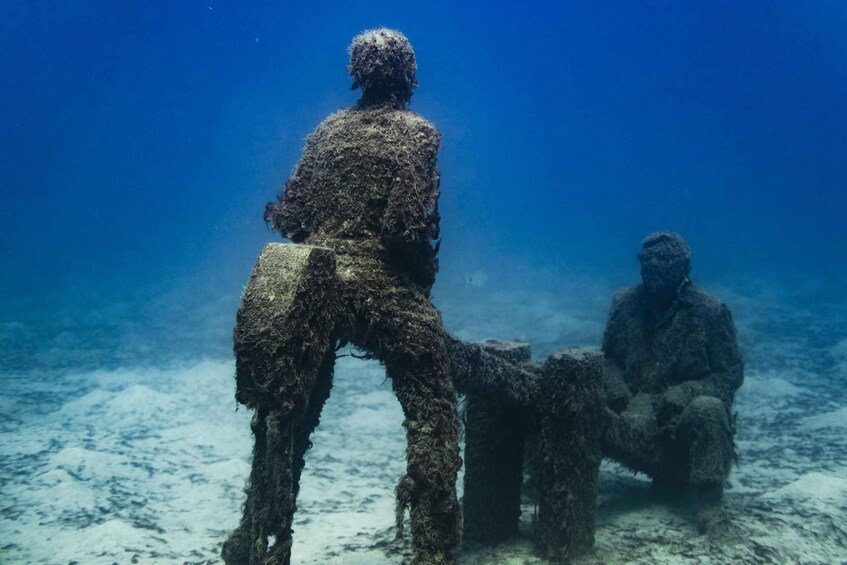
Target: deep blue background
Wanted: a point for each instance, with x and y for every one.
(139, 141)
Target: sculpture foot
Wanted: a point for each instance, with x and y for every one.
(434, 558)
(236, 549)
(712, 519)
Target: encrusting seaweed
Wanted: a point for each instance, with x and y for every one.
(672, 368)
(365, 191)
(361, 207)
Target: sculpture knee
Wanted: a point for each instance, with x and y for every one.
(709, 433)
(418, 353)
(632, 442)
(285, 326)
(705, 410)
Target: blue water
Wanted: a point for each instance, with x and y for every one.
(140, 141)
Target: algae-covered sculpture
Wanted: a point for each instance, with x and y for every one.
(363, 198)
(361, 209)
(672, 369)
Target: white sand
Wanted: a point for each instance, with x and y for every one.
(148, 466)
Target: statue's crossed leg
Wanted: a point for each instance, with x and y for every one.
(292, 316)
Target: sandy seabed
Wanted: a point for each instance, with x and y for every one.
(148, 465)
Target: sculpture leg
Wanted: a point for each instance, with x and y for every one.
(432, 458)
(277, 506)
(310, 419)
(238, 548)
(283, 348)
(281, 442)
(707, 432)
(397, 324)
(632, 438)
(405, 332)
(706, 425)
(269, 504)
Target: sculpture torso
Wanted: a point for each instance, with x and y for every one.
(681, 344)
(368, 175)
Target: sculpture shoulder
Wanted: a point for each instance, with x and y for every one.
(622, 317)
(626, 303)
(413, 128)
(419, 124)
(626, 298)
(708, 305)
(332, 123)
(388, 125)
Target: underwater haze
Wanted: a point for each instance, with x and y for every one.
(140, 142)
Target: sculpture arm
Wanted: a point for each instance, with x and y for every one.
(617, 391)
(474, 370)
(293, 215)
(725, 372)
(411, 216)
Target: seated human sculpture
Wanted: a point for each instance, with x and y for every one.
(361, 209)
(366, 188)
(672, 368)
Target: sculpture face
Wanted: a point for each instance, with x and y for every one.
(662, 274)
(665, 263)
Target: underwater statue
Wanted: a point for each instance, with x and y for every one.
(672, 369)
(361, 210)
(363, 201)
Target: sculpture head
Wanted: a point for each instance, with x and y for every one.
(665, 263)
(382, 64)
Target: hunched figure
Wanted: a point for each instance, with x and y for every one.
(672, 368)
